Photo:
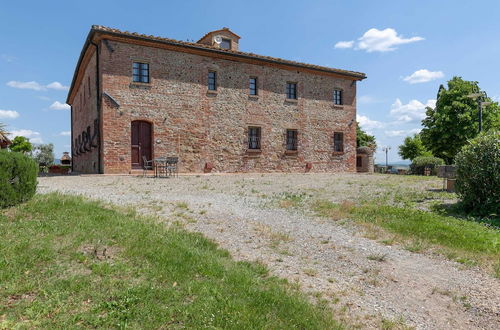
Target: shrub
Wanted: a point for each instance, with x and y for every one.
(18, 178)
(478, 174)
(419, 164)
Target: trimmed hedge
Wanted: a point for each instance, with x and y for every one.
(419, 164)
(18, 178)
(478, 174)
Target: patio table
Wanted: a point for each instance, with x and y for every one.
(160, 165)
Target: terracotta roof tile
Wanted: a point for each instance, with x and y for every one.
(354, 74)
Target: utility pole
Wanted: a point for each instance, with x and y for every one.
(386, 149)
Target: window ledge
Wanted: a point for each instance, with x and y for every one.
(254, 151)
(136, 84)
(338, 153)
(291, 152)
(338, 106)
(253, 97)
(211, 92)
(295, 101)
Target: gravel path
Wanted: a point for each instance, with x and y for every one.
(334, 261)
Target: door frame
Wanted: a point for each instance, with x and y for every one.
(151, 142)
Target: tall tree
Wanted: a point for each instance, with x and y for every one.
(454, 120)
(363, 139)
(412, 148)
(44, 153)
(21, 144)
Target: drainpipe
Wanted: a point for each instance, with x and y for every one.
(72, 155)
(98, 103)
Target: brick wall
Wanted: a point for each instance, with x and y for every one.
(85, 157)
(202, 127)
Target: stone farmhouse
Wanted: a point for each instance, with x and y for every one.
(136, 97)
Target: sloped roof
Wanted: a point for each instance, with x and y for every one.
(103, 31)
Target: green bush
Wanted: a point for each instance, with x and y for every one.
(18, 178)
(478, 174)
(419, 164)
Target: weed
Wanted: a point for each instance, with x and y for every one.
(377, 257)
(310, 272)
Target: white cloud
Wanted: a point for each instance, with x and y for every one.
(7, 58)
(8, 114)
(26, 85)
(59, 106)
(395, 133)
(413, 111)
(65, 133)
(402, 132)
(344, 44)
(57, 86)
(33, 136)
(375, 40)
(423, 75)
(368, 124)
(33, 85)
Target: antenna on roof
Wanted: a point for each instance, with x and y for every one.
(218, 40)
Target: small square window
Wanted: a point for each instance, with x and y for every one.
(140, 72)
(337, 97)
(338, 142)
(253, 86)
(225, 44)
(291, 139)
(212, 81)
(291, 91)
(254, 138)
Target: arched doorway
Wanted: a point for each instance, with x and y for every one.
(141, 142)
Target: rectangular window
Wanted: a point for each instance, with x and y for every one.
(140, 72)
(338, 142)
(253, 86)
(337, 97)
(291, 139)
(291, 91)
(254, 138)
(225, 44)
(212, 81)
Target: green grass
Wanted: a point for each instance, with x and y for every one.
(467, 242)
(66, 262)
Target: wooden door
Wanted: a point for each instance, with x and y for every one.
(141, 142)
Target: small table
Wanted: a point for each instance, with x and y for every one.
(160, 165)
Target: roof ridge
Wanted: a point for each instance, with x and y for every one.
(102, 28)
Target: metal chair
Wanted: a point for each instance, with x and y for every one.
(172, 168)
(146, 166)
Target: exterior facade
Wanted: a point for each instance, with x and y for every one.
(136, 97)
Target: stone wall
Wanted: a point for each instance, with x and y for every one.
(204, 127)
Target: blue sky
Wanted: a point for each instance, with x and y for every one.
(406, 48)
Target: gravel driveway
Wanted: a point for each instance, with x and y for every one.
(365, 282)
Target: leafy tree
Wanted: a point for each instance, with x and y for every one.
(363, 139)
(454, 120)
(412, 148)
(44, 153)
(21, 144)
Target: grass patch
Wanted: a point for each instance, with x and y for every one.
(468, 241)
(67, 262)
